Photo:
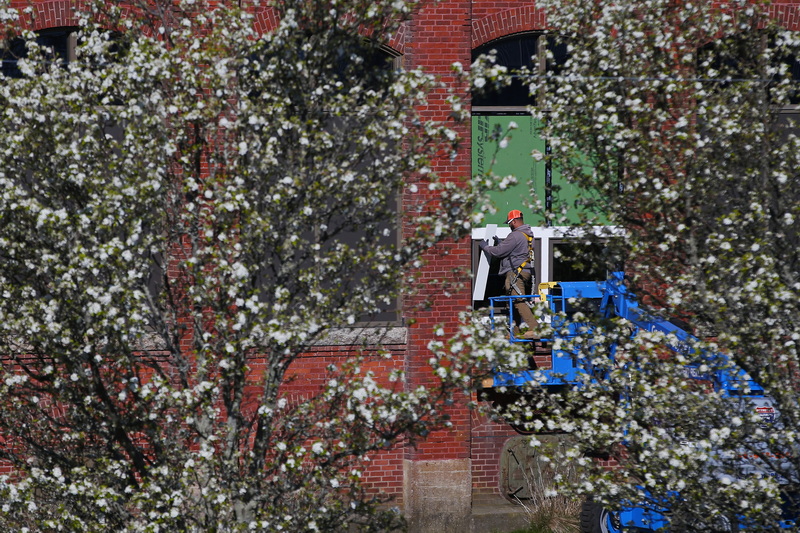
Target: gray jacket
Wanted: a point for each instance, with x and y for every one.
(512, 251)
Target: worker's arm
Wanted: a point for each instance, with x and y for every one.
(503, 249)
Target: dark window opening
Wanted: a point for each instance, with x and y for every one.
(362, 62)
(58, 45)
(384, 235)
(527, 51)
(515, 53)
(574, 261)
(376, 222)
(738, 59)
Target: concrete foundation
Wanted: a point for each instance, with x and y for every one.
(438, 495)
(438, 499)
(497, 515)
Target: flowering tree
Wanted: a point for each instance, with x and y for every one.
(185, 209)
(677, 119)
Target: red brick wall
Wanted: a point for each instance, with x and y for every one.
(306, 376)
(488, 438)
(50, 13)
(439, 36)
(493, 20)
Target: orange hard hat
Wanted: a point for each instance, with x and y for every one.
(514, 213)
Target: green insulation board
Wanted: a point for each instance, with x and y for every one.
(516, 159)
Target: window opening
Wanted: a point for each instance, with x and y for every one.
(59, 45)
(333, 228)
(567, 263)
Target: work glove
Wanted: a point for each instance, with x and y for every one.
(496, 240)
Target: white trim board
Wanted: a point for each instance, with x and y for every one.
(544, 235)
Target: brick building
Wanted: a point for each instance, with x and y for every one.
(447, 482)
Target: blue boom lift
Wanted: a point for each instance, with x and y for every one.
(608, 299)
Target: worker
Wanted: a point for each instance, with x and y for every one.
(516, 262)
